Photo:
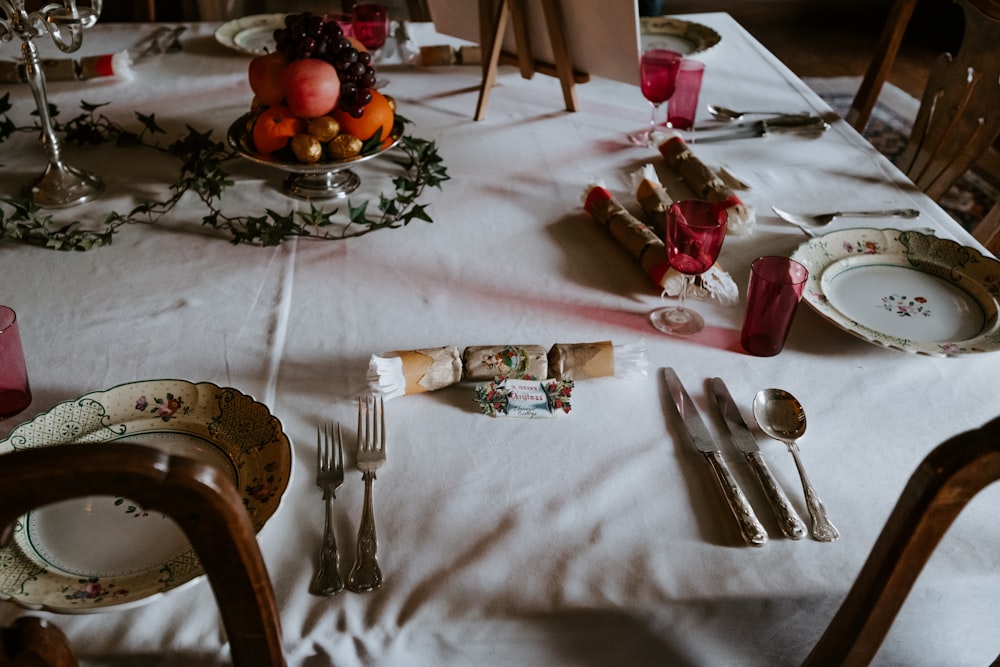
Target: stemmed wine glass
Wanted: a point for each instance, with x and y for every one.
(695, 231)
(658, 76)
(371, 28)
(371, 25)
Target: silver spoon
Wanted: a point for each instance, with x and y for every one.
(825, 218)
(722, 113)
(781, 416)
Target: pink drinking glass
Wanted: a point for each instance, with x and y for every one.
(695, 231)
(776, 285)
(657, 76)
(684, 102)
(15, 394)
(371, 24)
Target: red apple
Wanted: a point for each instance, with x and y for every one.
(267, 78)
(312, 87)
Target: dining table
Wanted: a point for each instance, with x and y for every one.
(595, 537)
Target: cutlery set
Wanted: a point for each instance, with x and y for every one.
(365, 575)
(162, 40)
(803, 125)
(767, 406)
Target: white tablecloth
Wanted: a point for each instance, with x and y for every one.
(595, 539)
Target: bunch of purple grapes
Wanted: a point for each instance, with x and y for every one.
(309, 36)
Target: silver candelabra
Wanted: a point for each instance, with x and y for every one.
(61, 185)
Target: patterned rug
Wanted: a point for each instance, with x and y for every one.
(967, 201)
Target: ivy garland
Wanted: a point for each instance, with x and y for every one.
(202, 160)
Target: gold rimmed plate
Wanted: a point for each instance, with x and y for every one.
(685, 37)
(905, 290)
(100, 553)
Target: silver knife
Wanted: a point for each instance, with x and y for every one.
(785, 120)
(697, 433)
(741, 436)
(762, 128)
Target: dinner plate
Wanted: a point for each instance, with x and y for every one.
(94, 554)
(252, 35)
(684, 37)
(905, 290)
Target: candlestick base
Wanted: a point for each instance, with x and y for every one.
(62, 186)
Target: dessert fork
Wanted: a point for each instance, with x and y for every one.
(329, 476)
(366, 575)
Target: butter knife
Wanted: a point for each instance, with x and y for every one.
(700, 438)
(741, 436)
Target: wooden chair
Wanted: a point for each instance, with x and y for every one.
(881, 64)
(959, 116)
(197, 496)
(34, 642)
(140, 11)
(947, 479)
(987, 231)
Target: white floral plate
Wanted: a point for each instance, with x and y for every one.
(905, 290)
(253, 35)
(93, 554)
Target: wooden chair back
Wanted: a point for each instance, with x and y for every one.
(959, 116)
(943, 484)
(197, 496)
(987, 231)
(34, 642)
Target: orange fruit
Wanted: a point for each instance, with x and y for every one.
(378, 117)
(275, 128)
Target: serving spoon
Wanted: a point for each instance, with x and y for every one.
(722, 113)
(822, 219)
(782, 417)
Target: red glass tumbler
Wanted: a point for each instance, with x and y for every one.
(683, 105)
(15, 394)
(776, 285)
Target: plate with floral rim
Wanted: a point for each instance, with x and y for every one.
(905, 290)
(686, 37)
(54, 561)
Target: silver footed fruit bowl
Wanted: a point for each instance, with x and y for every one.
(320, 180)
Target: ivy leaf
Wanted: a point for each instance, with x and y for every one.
(91, 108)
(7, 128)
(202, 160)
(357, 214)
(149, 122)
(418, 212)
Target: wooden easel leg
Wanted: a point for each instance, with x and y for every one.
(560, 52)
(522, 40)
(495, 46)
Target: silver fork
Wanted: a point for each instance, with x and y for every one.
(329, 476)
(366, 575)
